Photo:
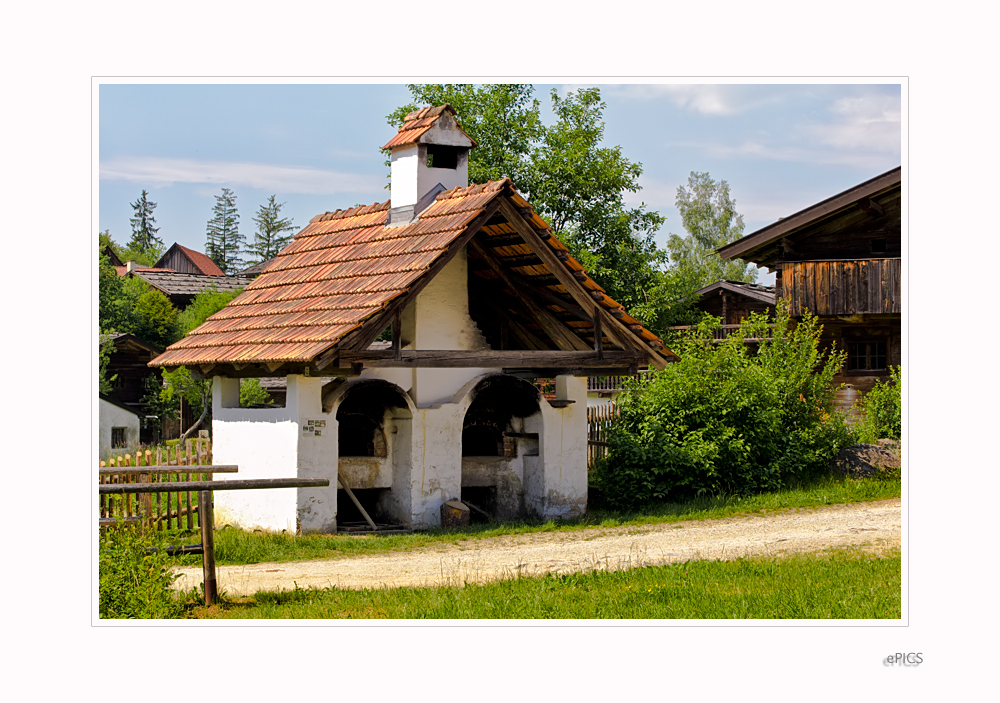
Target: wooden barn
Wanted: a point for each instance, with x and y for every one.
(840, 259)
(475, 296)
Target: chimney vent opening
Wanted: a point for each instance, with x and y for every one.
(443, 156)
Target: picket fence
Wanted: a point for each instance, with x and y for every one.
(598, 419)
(164, 511)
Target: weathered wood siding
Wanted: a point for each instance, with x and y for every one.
(862, 286)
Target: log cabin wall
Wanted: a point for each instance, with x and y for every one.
(180, 263)
(858, 287)
(865, 340)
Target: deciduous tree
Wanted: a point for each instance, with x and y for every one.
(575, 182)
(709, 215)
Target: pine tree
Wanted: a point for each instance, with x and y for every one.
(143, 232)
(223, 240)
(268, 239)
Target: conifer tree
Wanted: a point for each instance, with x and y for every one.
(223, 242)
(143, 231)
(269, 238)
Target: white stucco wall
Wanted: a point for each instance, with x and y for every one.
(275, 443)
(110, 415)
(562, 450)
(439, 319)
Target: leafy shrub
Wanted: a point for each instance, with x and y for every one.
(252, 393)
(882, 411)
(133, 582)
(725, 421)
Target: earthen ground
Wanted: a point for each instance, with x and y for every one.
(874, 526)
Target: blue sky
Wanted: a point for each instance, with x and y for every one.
(781, 147)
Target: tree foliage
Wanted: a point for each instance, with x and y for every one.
(882, 410)
(155, 318)
(269, 238)
(105, 349)
(203, 306)
(709, 216)
(143, 230)
(725, 421)
(575, 182)
(502, 118)
(224, 243)
(252, 393)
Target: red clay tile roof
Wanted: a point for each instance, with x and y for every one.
(346, 266)
(122, 270)
(341, 269)
(202, 262)
(418, 122)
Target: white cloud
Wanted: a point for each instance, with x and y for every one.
(863, 122)
(284, 179)
(704, 98)
(839, 155)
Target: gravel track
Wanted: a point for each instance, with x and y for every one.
(875, 526)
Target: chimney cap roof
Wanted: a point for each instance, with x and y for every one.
(419, 122)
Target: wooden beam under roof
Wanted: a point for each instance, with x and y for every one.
(491, 358)
(564, 337)
(362, 337)
(615, 330)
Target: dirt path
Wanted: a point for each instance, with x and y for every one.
(871, 525)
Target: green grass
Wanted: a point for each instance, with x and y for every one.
(837, 584)
(237, 547)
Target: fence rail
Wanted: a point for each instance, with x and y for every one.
(170, 510)
(611, 383)
(598, 420)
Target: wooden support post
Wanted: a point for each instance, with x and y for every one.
(397, 332)
(357, 503)
(598, 334)
(206, 520)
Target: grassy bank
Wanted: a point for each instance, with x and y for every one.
(840, 584)
(237, 547)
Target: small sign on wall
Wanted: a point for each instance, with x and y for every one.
(314, 428)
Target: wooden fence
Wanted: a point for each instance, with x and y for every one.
(598, 419)
(165, 511)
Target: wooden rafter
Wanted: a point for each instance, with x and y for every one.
(563, 337)
(362, 337)
(621, 334)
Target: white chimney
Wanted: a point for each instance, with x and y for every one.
(429, 154)
(129, 266)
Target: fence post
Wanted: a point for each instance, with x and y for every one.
(206, 519)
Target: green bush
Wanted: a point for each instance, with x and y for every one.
(133, 582)
(725, 421)
(882, 411)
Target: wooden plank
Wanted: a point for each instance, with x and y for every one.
(357, 503)
(874, 287)
(862, 287)
(159, 469)
(836, 287)
(618, 332)
(496, 358)
(563, 338)
(236, 485)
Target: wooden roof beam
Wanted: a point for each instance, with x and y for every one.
(448, 358)
(615, 329)
(563, 337)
